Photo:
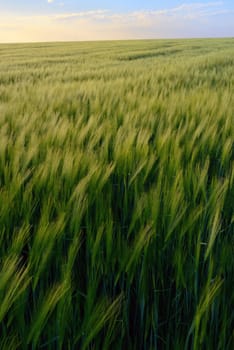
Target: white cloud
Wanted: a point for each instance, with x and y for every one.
(188, 10)
(85, 14)
(186, 20)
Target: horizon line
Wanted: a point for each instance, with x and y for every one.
(115, 40)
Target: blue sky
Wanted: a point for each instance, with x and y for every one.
(55, 20)
(45, 6)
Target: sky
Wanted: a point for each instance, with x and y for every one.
(70, 20)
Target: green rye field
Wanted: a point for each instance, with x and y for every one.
(117, 195)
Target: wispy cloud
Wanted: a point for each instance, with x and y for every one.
(85, 14)
(188, 10)
(184, 10)
(186, 20)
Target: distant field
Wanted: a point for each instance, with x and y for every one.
(117, 195)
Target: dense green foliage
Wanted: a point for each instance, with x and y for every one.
(116, 195)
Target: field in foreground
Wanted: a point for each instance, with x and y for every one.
(116, 195)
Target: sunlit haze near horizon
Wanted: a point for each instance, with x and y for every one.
(61, 20)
